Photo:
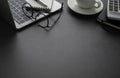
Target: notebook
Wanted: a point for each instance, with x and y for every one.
(102, 18)
(42, 4)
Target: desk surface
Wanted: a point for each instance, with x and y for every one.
(77, 47)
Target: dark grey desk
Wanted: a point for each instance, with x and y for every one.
(77, 47)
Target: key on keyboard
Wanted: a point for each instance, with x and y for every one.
(16, 9)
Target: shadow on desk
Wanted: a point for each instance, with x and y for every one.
(110, 30)
(83, 17)
(6, 34)
(93, 18)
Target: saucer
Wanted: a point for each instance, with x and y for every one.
(72, 4)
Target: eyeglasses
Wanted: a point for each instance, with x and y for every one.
(33, 13)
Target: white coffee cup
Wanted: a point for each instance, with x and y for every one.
(87, 4)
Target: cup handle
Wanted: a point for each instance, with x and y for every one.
(97, 4)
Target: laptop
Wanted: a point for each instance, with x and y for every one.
(11, 12)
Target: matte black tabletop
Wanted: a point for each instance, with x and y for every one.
(76, 47)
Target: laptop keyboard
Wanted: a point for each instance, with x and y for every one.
(16, 9)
